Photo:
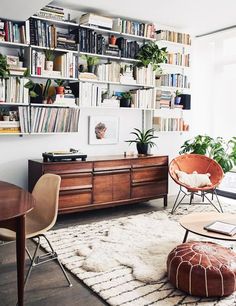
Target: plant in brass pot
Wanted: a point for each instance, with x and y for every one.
(143, 140)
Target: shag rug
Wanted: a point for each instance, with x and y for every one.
(124, 260)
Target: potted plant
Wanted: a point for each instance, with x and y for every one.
(143, 140)
(151, 54)
(92, 61)
(60, 86)
(4, 67)
(177, 97)
(4, 113)
(223, 152)
(39, 92)
(125, 100)
(49, 57)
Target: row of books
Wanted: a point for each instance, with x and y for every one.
(65, 65)
(51, 119)
(51, 12)
(91, 42)
(109, 72)
(145, 75)
(142, 98)
(161, 124)
(48, 35)
(24, 119)
(90, 95)
(178, 59)
(175, 80)
(173, 36)
(13, 32)
(134, 27)
(12, 90)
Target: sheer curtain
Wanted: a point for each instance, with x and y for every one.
(215, 83)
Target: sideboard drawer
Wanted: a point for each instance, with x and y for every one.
(76, 180)
(70, 199)
(149, 190)
(150, 162)
(148, 174)
(59, 168)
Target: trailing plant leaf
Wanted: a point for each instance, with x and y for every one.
(4, 67)
(151, 54)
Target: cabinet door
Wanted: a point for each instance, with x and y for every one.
(102, 188)
(121, 186)
(110, 186)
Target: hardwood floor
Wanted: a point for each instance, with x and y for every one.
(47, 285)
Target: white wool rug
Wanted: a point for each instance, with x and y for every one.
(124, 260)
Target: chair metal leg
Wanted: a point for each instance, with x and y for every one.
(58, 261)
(214, 192)
(38, 260)
(191, 198)
(32, 264)
(176, 204)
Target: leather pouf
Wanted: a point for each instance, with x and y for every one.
(203, 269)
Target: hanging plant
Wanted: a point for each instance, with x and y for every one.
(151, 54)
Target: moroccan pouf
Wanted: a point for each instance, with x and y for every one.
(203, 269)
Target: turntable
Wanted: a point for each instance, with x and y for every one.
(56, 156)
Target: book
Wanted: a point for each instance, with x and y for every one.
(221, 227)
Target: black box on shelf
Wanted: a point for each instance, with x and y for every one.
(185, 101)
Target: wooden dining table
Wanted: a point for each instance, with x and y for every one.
(15, 202)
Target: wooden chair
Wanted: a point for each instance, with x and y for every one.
(202, 164)
(41, 219)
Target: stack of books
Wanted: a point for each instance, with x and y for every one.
(66, 41)
(143, 98)
(163, 124)
(173, 36)
(96, 20)
(65, 101)
(128, 49)
(51, 12)
(90, 95)
(9, 126)
(112, 50)
(145, 75)
(90, 41)
(12, 90)
(109, 72)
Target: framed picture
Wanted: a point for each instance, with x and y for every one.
(12, 61)
(103, 130)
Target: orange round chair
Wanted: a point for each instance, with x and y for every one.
(202, 165)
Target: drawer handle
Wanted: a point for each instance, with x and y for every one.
(71, 175)
(76, 191)
(111, 172)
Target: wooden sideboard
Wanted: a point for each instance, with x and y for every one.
(105, 181)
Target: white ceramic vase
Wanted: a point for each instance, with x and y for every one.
(49, 65)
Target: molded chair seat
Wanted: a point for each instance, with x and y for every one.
(40, 220)
(201, 164)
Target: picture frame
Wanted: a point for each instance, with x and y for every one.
(103, 130)
(12, 61)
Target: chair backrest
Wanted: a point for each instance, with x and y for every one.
(46, 194)
(196, 162)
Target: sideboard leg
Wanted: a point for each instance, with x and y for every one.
(165, 200)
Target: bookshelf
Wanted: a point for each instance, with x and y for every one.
(38, 34)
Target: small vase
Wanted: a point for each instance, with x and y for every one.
(49, 65)
(6, 118)
(60, 90)
(112, 40)
(142, 148)
(91, 68)
(177, 100)
(125, 102)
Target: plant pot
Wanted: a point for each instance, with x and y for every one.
(6, 118)
(177, 100)
(125, 102)
(112, 40)
(91, 68)
(60, 90)
(142, 148)
(49, 65)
